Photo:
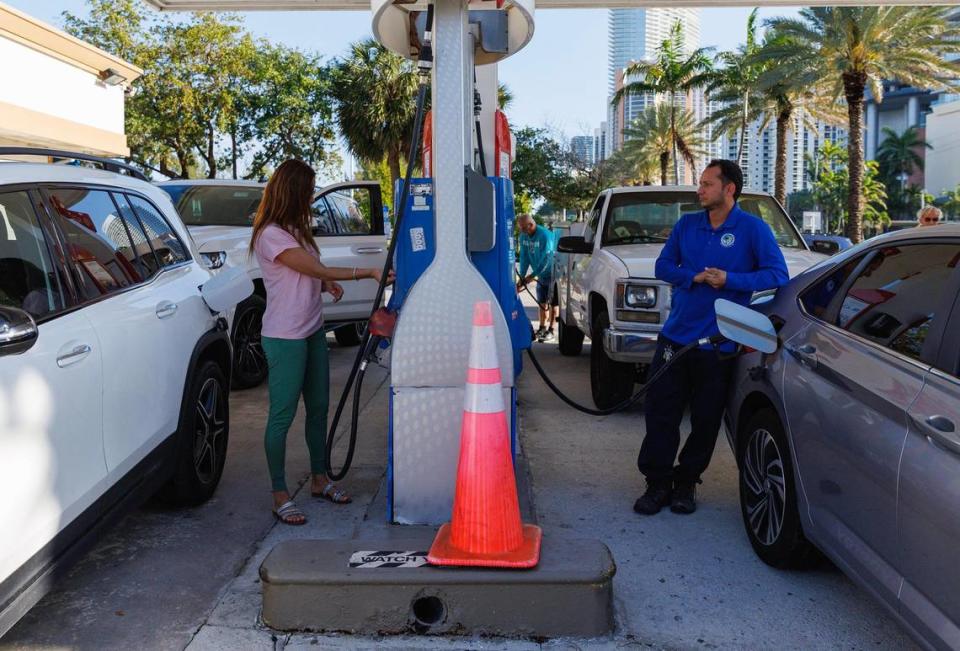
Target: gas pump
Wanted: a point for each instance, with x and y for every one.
(459, 215)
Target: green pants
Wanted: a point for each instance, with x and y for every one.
(297, 366)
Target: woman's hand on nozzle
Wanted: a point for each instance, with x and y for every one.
(377, 275)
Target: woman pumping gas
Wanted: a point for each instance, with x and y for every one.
(293, 337)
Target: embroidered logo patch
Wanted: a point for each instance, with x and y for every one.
(727, 240)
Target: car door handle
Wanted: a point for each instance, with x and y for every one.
(74, 356)
(805, 354)
(941, 424)
(166, 309)
(370, 250)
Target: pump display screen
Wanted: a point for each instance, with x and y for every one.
(637, 217)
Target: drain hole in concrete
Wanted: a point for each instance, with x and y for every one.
(428, 611)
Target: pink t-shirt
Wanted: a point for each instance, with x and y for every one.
(294, 303)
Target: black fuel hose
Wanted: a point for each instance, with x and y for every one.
(629, 402)
(368, 344)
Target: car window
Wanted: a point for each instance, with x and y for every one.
(323, 218)
(350, 216)
(97, 240)
(27, 277)
(593, 221)
(164, 241)
(651, 216)
(895, 298)
(816, 299)
(205, 205)
(141, 242)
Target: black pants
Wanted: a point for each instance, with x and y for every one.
(699, 379)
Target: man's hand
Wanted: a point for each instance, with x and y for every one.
(714, 277)
(700, 277)
(335, 289)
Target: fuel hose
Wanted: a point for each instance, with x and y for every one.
(369, 343)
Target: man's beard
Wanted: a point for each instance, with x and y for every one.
(708, 206)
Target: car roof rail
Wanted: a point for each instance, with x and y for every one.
(107, 163)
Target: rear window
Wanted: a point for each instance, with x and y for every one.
(651, 216)
(215, 205)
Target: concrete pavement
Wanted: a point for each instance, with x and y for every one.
(188, 579)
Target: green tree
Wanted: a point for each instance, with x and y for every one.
(841, 51)
(831, 174)
(290, 112)
(671, 73)
(732, 85)
(538, 168)
(661, 132)
(375, 95)
(950, 202)
(504, 97)
(115, 26)
(898, 154)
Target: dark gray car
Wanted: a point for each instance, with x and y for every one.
(847, 437)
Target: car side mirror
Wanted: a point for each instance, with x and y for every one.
(825, 247)
(229, 287)
(746, 327)
(574, 244)
(18, 331)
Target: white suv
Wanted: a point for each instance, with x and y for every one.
(348, 229)
(114, 364)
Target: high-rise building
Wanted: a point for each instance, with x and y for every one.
(760, 152)
(600, 144)
(635, 35)
(583, 149)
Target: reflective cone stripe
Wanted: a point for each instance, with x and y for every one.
(485, 529)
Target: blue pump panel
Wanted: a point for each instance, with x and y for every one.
(416, 246)
(497, 266)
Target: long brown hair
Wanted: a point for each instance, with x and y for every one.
(286, 203)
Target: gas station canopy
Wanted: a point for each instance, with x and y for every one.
(364, 5)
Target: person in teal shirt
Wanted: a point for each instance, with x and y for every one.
(536, 254)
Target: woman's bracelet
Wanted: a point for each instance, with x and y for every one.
(354, 273)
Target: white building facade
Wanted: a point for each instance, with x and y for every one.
(57, 92)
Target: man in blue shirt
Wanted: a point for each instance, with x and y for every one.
(722, 252)
(536, 254)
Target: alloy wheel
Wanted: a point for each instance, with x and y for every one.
(211, 426)
(766, 493)
(251, 360)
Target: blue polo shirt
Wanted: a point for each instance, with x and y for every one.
(743, 246)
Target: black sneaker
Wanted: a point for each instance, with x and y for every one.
(538, 335)
(548, 334)
(684, 497)
(656, 497)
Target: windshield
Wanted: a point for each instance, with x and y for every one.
(651, 216)
(210, 205)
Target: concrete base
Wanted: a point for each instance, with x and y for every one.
(308, 585)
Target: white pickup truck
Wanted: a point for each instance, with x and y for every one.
(606, 284)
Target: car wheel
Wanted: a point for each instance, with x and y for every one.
(570, 339)
(249, 360)
(768, 496)
(350, 334)
(610, 382)
(202, 439)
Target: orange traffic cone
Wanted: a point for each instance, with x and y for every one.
(485, 529)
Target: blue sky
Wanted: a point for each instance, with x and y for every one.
(559, 80)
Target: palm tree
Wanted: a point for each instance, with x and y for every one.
(898, 155)
(841, 51)
(375, 94)
(670, 73)
(504, 96)
(732, 85)
(657, 134)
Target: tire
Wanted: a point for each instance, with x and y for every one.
(202, 439)
(350, 334)
(768, 496)
(610, 382)
(249, 361)
(569, 339)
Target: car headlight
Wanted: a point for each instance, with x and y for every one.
(213, 259)
(633, 296)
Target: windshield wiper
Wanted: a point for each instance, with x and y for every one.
(642, 237)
